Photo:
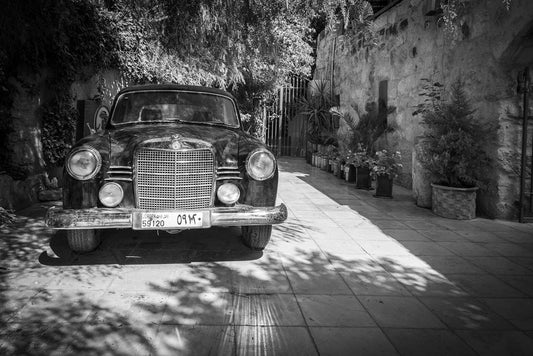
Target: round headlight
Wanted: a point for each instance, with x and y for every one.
(84, 163)
(111, 194)
(261, 164)
(228, 193)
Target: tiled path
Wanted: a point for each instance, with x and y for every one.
(347, 274)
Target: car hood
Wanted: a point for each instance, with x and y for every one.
(125, 140)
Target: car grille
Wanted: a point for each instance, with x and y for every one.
(174, 179)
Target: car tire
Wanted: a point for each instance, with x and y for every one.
(83, 241)
(256, 237)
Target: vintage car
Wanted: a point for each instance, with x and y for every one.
(171, 158)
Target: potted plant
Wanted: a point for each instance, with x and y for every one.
(453, 150)
(385, 168)
(362, 162)
(349, 168)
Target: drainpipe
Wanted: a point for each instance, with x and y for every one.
(523, 88)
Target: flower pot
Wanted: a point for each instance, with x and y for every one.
(453, 203)
(383, 186)
(362, 179)
(349, 173)
(337, 169)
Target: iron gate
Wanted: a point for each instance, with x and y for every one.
(284, 129)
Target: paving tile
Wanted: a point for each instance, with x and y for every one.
(481, 236)
(466, 313)
(453, 264)
(381, 283)
(413, 342)
(269, 340)
(422, 225)
(267, 310)
(515, 236)
(405, 235)
(334, 310)
(37, 338)
(440, 235)
(423, 248)
(317, 281)
(26, 279)
(511, 249)
(384, 248)
(13, 302)
(468, 249)
(367, 233)
(458, 225)
(117, 307)
(389, 224)
(519, 311)
(400, 312)
(71, 306)
(194, 340)
(141, 278)
(526, 262)
(521, 283)
(499, 265)
(484, 285)
(429, 284)
(352, 341)
(341, 248)
(496, 343)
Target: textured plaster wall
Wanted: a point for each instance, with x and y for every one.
(412, 46)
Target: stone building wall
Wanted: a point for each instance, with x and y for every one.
(412, 46)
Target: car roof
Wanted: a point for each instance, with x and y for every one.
(155, 87)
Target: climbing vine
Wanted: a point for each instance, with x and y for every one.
(452, 11)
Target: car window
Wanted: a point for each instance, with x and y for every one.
(160, 106)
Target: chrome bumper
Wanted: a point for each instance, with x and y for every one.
(106, 218)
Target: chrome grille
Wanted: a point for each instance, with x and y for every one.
(181, 179)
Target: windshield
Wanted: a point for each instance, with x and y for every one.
(162, 106)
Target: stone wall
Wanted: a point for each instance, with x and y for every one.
(412, 46)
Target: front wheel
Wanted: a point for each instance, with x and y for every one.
(82, 241)
(256, 237)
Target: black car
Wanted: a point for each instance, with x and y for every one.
(171, 158)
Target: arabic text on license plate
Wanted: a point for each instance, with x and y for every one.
(171, 220)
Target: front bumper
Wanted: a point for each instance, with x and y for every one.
(107, 218)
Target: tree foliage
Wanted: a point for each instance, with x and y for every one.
(245, 46)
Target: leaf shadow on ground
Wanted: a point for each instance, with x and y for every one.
(217, 298)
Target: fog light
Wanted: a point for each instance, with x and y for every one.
(228, 193)
(111, 194)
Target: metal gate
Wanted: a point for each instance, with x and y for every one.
(284, 129)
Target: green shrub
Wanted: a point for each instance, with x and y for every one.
(453, 147)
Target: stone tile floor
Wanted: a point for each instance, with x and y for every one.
(347, 274)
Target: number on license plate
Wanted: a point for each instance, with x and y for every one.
(171, 220)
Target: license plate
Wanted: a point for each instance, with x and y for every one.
(173, 220)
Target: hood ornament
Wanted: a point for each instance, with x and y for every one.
(175, 142)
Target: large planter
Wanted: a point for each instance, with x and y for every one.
(453, 203)
(363, 179)
(324, 164)
(383, 186)
(336, 168)
(349, 173)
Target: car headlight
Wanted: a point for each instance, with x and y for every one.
(84, 163)
(111, 194)
(260, 164)
(228, 193)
